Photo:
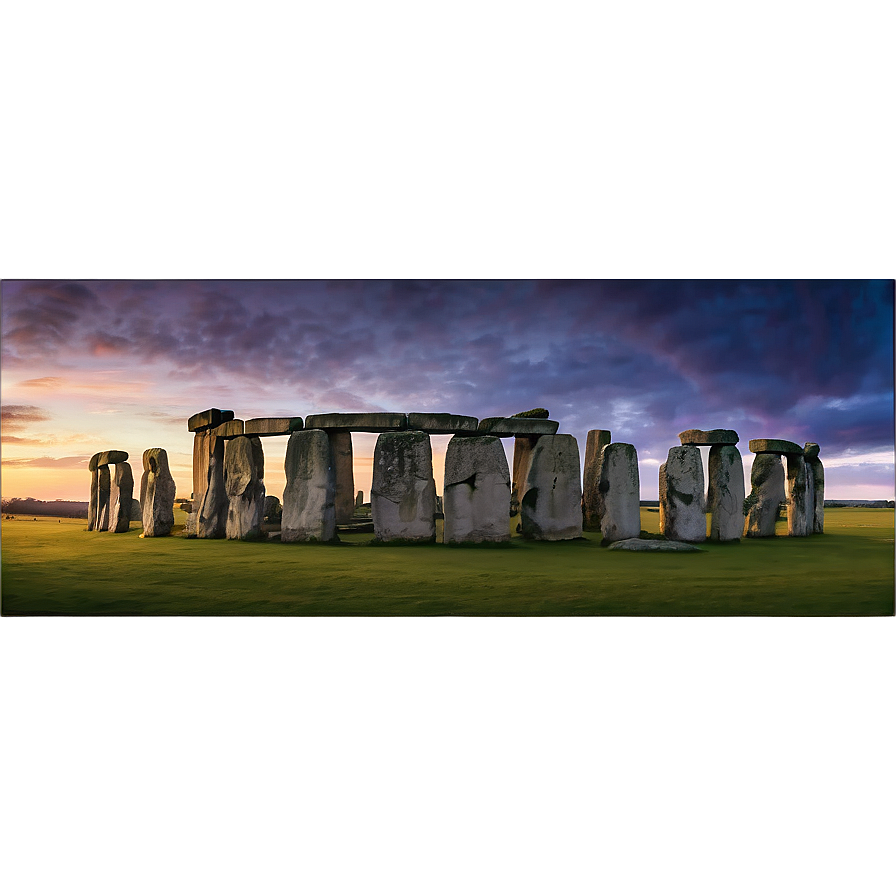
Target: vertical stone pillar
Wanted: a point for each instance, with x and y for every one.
(682, 502)
(403, 494)
(341, 447)
(156, 494)
(620, 485)
(103, 496)
(592, 506)
(797, 511)
(816, 473)
(551, 508)
(523, 446)
(726, 493)
(94, 496)
(767, 492)
(244, 484)
(477, 490)
(309, 511)
(209, 495)
(122, 498)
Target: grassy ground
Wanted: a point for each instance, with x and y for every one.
(53, 567)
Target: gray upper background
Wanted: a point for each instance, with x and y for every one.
(431, 139)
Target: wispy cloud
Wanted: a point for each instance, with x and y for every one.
(17, 417)
(67, 463)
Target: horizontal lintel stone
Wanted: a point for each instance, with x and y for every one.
(207, 419)
(273, 426)
(708, 437)
(443, 424)
(517, 426)
(104, 458)
(358, 422)
(774, 446)
(230, 429)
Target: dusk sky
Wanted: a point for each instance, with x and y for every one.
(94, 365)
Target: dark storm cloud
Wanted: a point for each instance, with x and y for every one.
(804, 360)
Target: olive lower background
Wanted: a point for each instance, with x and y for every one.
(313, 756)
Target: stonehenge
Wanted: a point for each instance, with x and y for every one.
(309, 510)
(109, 506)
(767, 493)
(725, 493)
(122, 498)
(551, 506)
(592, 504)
(403, 493)
(244, 485)
(156, 494)
(477, 490)
(620, 486)
(682, 501)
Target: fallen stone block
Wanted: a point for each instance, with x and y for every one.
(646, 544)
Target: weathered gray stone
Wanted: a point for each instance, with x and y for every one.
(767, 493)
(385, 422)
(309, 511)
(359, 499)
(774, 446)
(121, 498)
(708, 437)
(94, 499)
(403, 494)
(136, 511)
(517, 426)
(206, 419)
(647, 544)
(477, 490)
(816, 474)
(244, 484)
(523, 446)
(273, 426)
(797, 510)
(726, 493)
(620, 485)
(104, 494)
(104, 458)
(592, 504)
(551, 507)
(230, 429)
(157, 490)
(273, 509)
(341, 448)
(682, 502)
(210, 500)
(810, 450)
(442, 424)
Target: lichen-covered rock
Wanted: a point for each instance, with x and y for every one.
(517, 426)
(708, 437)
(104, 498)
(309, 510)
(620, 485)
(244, 484)
(477, 490)
(122, 498)
(273, 426)
(157, 490)
(403, 493)
(774, 446)
(136, 511)
(683, 516)
(442, 424)
(798, 486)
(811, 450)
(816, 474)
(592, 503)
(209, 495)
(551, 507)
(767, 493)
(726, 493)
(655, 545)
(341, 449)
(376, 422)
(523, 446)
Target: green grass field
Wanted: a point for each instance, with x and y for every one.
(53, 567)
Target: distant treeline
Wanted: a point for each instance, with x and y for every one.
(71, 509)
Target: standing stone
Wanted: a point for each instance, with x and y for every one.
(309, 511)
(122, 498)
(683, 513)
(244, 484)
(477, 490)
(726, 493)
(341, 446)
(209, 495)
(523, 446)
(620, 486)
(94, 499)
(156, 493)
(551, 508)
(592, 506)
(103, 509)
(816, 513)
(797, 483)
(403, 494)
(359, 499)
(767, 483)
(136, 511)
